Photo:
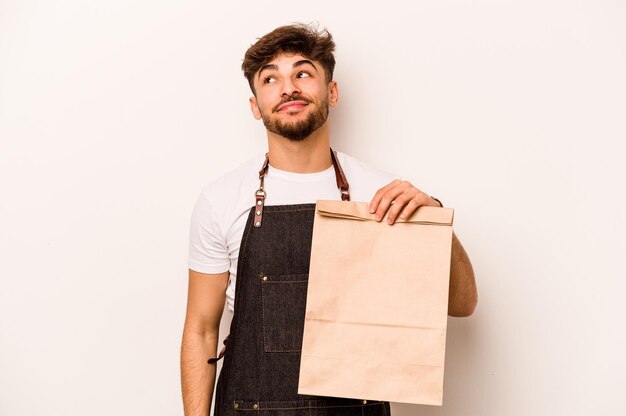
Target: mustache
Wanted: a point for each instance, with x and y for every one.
(296, 97)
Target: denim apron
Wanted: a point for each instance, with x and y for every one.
(262, 358)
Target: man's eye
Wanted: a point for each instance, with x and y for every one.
(303, 74)
(268, 80)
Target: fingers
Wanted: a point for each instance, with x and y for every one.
(400, 203)
(410, 207)
(387, 198)
(400, 198)
(379, 194)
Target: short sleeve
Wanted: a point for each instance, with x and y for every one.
(208, 250)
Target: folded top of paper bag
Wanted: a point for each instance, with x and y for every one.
(360, 211)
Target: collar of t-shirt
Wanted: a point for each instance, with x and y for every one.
(300, 177)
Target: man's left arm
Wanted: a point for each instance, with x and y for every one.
(463, 295)
(401, 198)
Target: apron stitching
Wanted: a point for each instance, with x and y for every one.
(247, 237)
(242, 251)
(304, 408)
(288, 210)
(263, 314)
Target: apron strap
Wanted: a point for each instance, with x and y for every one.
(342, 182)
(342, 185)
(221, 354)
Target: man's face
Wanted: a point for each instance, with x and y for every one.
(292, 96)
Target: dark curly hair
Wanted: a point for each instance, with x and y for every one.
(297, 38)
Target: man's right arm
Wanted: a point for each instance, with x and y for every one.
(205, 304)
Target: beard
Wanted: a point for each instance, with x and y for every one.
(299, 130)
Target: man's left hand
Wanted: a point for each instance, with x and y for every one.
(400, 198)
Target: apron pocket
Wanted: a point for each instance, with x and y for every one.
(284, 303)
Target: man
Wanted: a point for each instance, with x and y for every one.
(253, 227)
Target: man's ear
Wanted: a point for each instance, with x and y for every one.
(255, 108)
(333, 93)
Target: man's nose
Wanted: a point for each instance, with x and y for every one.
(289, 88)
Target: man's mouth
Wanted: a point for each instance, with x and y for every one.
(292, 105)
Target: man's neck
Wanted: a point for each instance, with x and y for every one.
(309, 155)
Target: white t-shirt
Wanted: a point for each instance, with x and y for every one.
(220, 213)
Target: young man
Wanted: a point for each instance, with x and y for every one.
(255, 224)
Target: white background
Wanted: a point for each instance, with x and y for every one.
(113, 114)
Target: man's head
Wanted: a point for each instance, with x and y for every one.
(290, 73)
(293, 39)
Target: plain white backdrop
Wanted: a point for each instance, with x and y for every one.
(114, 114)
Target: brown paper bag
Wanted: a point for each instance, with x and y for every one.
(377, 303)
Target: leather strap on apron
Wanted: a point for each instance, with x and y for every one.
(342, 184)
